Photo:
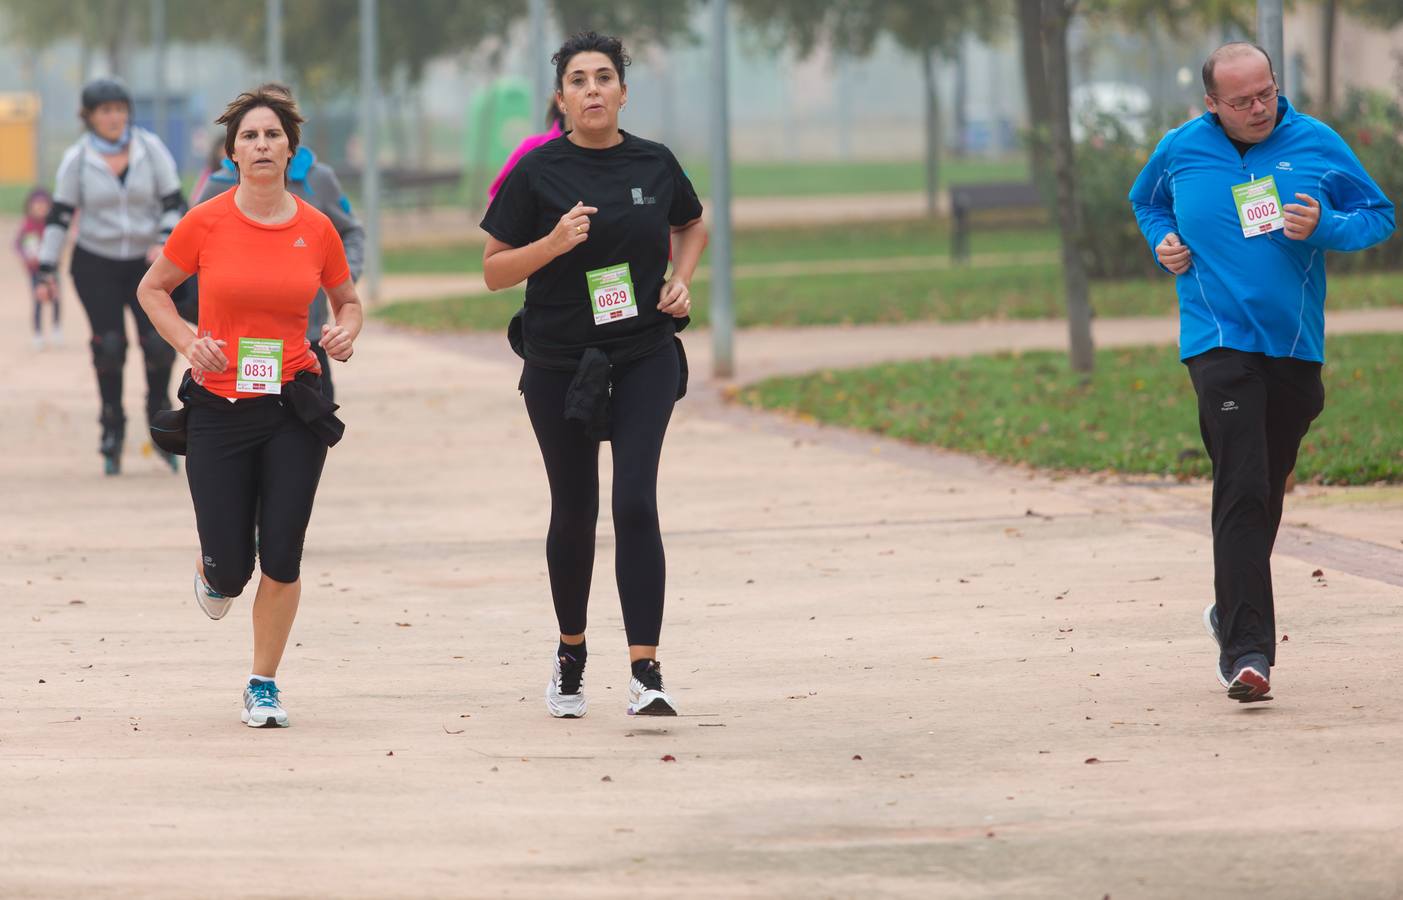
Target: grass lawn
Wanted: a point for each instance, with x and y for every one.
(877, 240)
(1137, 415)
(953, 295)
(800, 179)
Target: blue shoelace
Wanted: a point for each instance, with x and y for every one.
(264, 693)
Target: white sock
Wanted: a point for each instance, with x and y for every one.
(260, 678)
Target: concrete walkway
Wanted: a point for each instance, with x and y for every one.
(905, 673)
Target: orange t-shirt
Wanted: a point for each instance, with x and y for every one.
(256, 280)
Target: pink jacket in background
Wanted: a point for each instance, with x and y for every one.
(525, 147)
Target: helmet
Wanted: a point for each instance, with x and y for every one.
(104, 90)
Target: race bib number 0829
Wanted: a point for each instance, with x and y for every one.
(611, 294)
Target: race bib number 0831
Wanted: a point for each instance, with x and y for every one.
(260, 366)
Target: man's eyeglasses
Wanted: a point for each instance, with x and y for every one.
(1242, 104)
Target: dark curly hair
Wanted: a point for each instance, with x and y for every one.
(589, 42)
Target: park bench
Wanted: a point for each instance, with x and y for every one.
(966, 200)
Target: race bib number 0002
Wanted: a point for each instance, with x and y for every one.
(260, 366)
(611, 294)
(1258, 207)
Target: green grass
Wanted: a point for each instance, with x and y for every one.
(1137, 415)
(482, 313)
(876, 240)
(812, 179)
(955, 295)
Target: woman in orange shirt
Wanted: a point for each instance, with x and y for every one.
(257, 427)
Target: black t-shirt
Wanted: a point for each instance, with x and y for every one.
(640, 191)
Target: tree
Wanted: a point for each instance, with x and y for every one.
(1384, 13)
(932, 30)
(1043, 27)
(110, 24)
(637, 22)
(1055, 17)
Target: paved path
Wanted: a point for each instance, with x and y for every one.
(1017, 660)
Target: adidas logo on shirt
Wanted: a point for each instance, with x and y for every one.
(299, 243)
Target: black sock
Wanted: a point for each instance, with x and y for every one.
(640, 666)
(577, 652)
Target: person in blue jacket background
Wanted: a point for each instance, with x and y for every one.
(1212, 201)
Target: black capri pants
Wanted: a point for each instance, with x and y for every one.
(640, 406)
(251, 464)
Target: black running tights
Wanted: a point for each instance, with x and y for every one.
(640, 407)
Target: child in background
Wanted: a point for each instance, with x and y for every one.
(31, 231)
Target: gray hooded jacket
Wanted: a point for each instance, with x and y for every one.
(120, 219)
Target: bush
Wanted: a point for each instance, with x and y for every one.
(1372, 124)
(1108, 162)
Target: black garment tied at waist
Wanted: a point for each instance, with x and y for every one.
(587, 399)
(302, 395)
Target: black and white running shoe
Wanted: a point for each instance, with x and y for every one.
(646, 696)
(565, 695)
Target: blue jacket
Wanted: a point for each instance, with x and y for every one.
(1264, 294)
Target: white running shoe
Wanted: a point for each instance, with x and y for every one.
(646, 696)
(261, 706)
(37, 342)
(211, 601)
(565, 694)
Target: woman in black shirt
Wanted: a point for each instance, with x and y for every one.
(588, 220)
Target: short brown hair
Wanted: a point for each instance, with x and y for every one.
(275, 97)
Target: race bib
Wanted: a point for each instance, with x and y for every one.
(260, 366)
(611, 294)
(1258, 206)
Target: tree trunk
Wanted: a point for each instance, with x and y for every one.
(962, 98)
(932, 106)
(1035, 85)
(1328, 16)
(1057, 14)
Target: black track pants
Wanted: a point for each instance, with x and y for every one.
(1253, 411)
(106, 287)
(251, 464)
(640, 407)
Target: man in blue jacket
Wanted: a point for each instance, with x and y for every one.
(1251, 280)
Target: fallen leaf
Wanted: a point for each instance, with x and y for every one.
(1091, 760)
(459, 731)
(1318, 573)
(405, 624)
(391, 753)
(1285, 638)
(606, 778)
(668, 757)
(76, 603)
(857, 756)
